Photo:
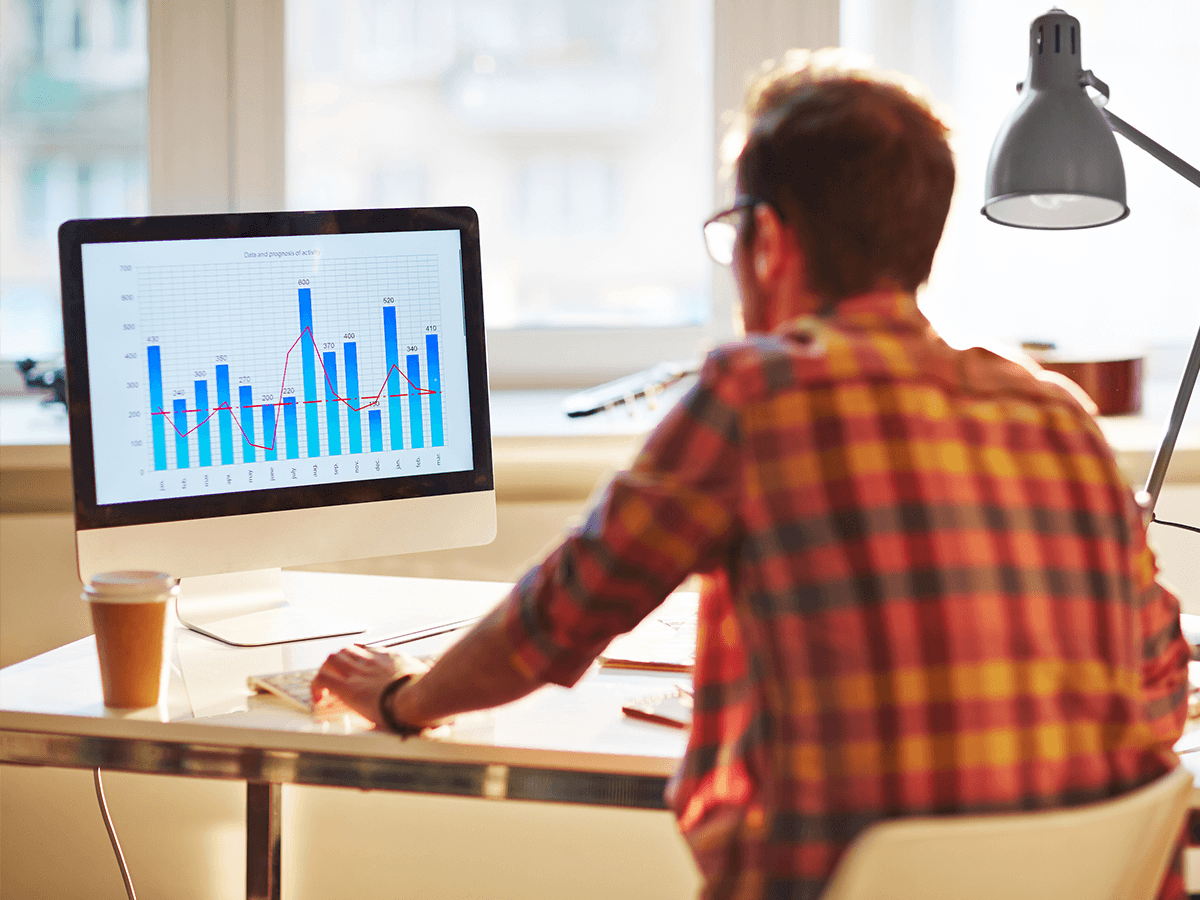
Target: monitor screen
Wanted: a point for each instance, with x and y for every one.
(250, 391)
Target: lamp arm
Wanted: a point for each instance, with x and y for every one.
(1158, 470)
(1155, 149)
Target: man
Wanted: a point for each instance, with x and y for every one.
(927, 589)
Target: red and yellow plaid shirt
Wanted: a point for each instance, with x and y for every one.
(928, 591)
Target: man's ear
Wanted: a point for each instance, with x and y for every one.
(770, 247)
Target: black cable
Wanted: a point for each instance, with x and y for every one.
(112, 836)
(1176, 525)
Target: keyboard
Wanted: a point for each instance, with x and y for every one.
(294, 688)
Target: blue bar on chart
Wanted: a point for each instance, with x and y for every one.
(158, 427)
(395, 423)
(333, 419)
(203, 429)
(246, 395)
(353, 417)
(375, 422)
(291, 438)
(433, 365)
(416, 427)
(181, 431)
(224, 415)
(270, 439)
(308, 349)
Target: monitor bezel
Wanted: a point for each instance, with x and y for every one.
(74, 234)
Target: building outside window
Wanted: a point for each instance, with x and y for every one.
(580, 130)
(73, 110)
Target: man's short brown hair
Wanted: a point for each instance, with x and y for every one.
(857, 162)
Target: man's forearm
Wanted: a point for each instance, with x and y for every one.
(475, 673)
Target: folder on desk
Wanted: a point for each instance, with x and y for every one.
(664, 641)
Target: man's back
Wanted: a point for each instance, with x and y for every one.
(941, 597)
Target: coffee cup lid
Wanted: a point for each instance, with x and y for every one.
(129, 584)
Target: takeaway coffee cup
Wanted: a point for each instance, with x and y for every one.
(130, 616)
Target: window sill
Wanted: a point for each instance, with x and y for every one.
(540, 454)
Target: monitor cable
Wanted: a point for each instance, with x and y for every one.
(112, 836)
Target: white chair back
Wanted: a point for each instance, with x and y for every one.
(1117, 849)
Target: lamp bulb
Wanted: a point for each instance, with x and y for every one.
(1052, 201)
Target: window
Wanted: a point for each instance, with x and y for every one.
(580, 130)
(590, 209)
(1130, 285)
(579, 179)
(73, 142)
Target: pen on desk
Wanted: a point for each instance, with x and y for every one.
(396, 638)
(673, 708)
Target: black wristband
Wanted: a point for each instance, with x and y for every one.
(385, 710)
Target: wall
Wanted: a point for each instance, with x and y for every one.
(1178, 550)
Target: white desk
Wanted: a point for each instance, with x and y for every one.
(555, 745)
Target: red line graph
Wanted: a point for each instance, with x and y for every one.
(373, 401)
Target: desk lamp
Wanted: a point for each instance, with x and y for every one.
(1055, 165)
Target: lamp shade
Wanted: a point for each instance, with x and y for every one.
(1055, 162)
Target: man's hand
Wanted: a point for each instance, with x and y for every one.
(358, 675)
(477, 672)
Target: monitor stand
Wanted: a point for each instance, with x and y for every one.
(249, 609)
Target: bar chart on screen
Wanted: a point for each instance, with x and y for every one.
(317, 401)
(300, 368)
(320, 384)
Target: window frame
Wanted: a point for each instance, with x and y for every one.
(216, 143)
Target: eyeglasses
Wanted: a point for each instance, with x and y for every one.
(721, 231)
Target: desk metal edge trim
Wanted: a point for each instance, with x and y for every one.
(181, 758)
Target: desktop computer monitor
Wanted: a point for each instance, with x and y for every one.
(254, 391)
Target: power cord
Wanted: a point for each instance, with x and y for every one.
(112, 836)
(1176, 524)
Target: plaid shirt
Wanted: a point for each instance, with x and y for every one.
(928, 591)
